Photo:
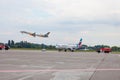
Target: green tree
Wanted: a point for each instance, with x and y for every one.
(115, 48)
(9, 43)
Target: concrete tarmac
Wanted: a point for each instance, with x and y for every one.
(53, 65)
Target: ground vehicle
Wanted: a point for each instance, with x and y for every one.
(2, 46)
(104, 50)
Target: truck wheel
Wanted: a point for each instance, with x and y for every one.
(98, 51)
(6, 48)
(65, 50)
(106, 52)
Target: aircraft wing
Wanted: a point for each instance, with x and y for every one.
(31, 34)
(25, 32)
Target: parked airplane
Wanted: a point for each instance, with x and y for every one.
(72, 48)
(34, 34)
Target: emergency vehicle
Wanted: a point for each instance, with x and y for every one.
(4, 47)
(104, 50)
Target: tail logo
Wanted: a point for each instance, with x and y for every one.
(80, 43)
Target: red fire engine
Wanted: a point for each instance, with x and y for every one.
(104, 50)
(5, 47)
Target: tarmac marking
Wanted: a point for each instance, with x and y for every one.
(24, 77)
(57, 70)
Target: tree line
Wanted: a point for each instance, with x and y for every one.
(25, 44)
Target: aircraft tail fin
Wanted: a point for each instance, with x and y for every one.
(80, 43)
(48, 33)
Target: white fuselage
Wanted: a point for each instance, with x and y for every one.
(66, 47)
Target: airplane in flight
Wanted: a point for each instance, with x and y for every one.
(34, 34)
(71, 48)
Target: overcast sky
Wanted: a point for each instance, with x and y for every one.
(96, 21)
